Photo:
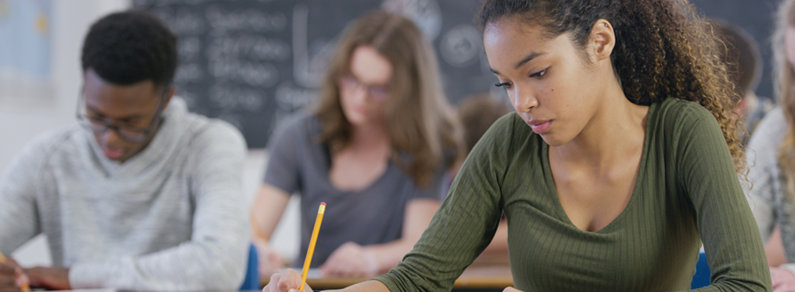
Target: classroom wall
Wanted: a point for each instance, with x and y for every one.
(22, 118)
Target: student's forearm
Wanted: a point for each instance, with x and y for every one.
(18, 192)
(774, 249)
(266, 211)
(184, 267)
(258, 235)
(419, 213)
(290, 279)
(368, 286)
(387, 255)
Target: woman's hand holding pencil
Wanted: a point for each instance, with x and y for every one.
(287, 281)
(290, 280)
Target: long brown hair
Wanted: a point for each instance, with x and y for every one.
(422, 132)
(785, 77)
(663, 49)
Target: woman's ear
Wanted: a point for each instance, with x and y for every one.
(602, 41)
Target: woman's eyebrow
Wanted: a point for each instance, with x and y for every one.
(529, 58)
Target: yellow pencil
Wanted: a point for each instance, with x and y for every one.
(3, 260)
(312, 242)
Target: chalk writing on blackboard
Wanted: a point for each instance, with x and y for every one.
(254, 62)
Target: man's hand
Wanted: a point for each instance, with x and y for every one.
(12, 277)
(52, 278)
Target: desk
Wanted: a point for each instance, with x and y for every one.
(475, 278)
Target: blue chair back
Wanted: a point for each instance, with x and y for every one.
(251, 282)
(701, 278)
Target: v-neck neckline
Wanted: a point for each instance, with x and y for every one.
(635, 189)
(325, 150)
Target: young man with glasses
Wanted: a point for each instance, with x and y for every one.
(141, 194)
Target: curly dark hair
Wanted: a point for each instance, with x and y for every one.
(663, 49)
(129, 47)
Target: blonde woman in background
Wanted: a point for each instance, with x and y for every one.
(771, 157)
(375, 149)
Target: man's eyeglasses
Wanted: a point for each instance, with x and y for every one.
(348, 82)
(129, 133)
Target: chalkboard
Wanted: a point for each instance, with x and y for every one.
(253, 62)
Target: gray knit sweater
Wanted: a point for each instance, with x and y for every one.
(172, 217)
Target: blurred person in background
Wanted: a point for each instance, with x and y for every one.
(140, 194)
(477, 113)
(375, 149)
(771, 157)
(741, 54)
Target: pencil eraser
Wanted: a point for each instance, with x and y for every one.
(322, 203)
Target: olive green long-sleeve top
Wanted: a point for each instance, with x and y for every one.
(686, 191)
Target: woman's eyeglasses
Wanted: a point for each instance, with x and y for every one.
(348, 82)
